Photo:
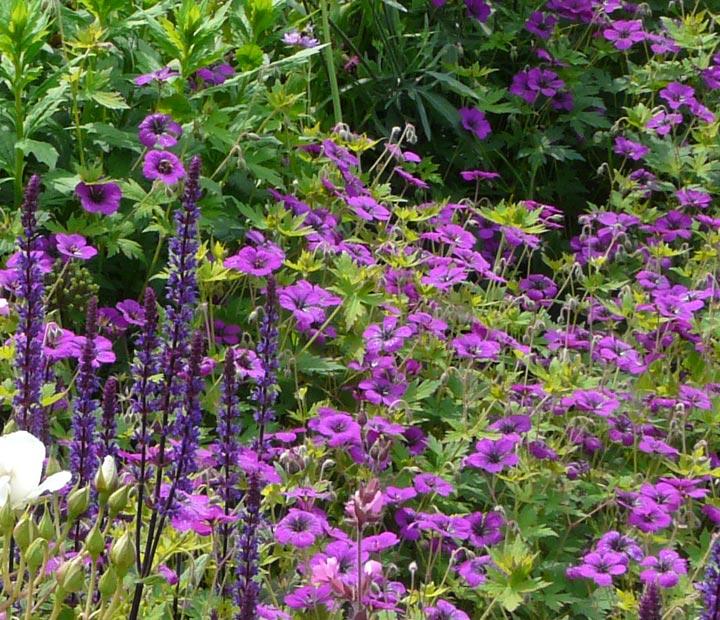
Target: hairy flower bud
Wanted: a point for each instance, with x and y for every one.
(25, 532)
(78, 502)
(36, 554)
(106, 478)
(122, 554)
(71, 576)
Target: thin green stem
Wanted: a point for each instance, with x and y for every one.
(330, 62)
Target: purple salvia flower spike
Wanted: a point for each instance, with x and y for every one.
(650, 605)
(265, 392)
(710, 587)
(110, 411)
(247, 589)
(228, 431)
(28, 411)
(83, 450)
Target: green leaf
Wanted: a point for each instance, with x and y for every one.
(312, 364)
(44, 152)
(110, 100)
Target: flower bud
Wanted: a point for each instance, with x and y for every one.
(36, 554)
(108, 583)
(78, 502)
(106, 478)
(118, 500)
(71, 576)
(46, 527)
(122, 554)
(7, 518)
(95, 543)
(25, 532)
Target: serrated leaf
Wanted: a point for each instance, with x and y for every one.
(44, 152)
(312, 364)
(110, 100)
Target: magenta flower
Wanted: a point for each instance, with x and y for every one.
(255, 261)
(196, 513)
(666, 568)
(647, 516)
(368, 208)
(693, 198)
(430, 483)
(99, 197)
(600, 567)
(493, 455)
(474, 346)
(629, 148)
(474, 571)
(74, 246)
(615, 541)
(625, 33)
(298, 528)
(445, 611)
(676, 94)
(163, 166)
(478, 9)
(478, 175)
(159, 130)
(541, 25)
(474, 120)
(664, 122)
(485, 529)
(161, 75)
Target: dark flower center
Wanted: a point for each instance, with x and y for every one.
(97, 193)
(165, 167)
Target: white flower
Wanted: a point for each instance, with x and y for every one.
(21, 465)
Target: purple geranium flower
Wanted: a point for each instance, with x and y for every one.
(474, 120)
(665, 569)
(615, 541)
(600, 567)
(445, 611)
(493, 455)
(624, 33)
(160, 75)
(540, 24)
(677, 94)
(74, 246)
(474, 571)
(630, 149)
(163, 166)
(99, 197)
(430, 483)
(299, 528)
(485, 529)
(474, 346)
(159, 130)
(255, 261)
(663, 122)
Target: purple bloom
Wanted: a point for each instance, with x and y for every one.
(474, 346)
(298, 528)
(163, 166)
(665, 569)
(650, 607)
(485, 529)
(600, 567)
(444, 611)
(295, 38)
(99, 197)
(74, 246)
(159, 130)
(216, 75)
(255, 261)
(615, 541)
(710, 586)
(474, 120)
(664, 122)
(474, 570)
(541, 25)
(693, 198)
(625, 33)
(368, 208)
(160, 75)
(478, 175)
(493, 455)
(647, 516)
(386, 338)
(29, 337)
(478, 9)
(430, 483)
(630, 149)
(307, 303)
(341, 429)
(676, 94)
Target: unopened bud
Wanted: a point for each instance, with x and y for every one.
(118, 500)
(106, 478)
(36, 554)
(25, 532)
(95, 543)
(71, 576)
(78, 502)
(7, 518)
(122, 554)
(46, 528)
(108, 583)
